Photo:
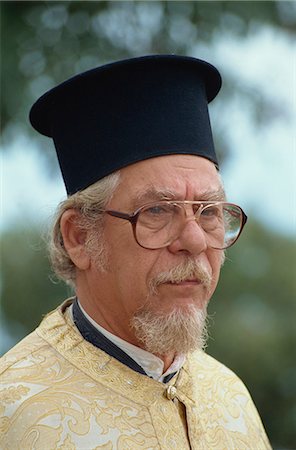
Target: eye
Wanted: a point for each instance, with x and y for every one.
(158, 210)
(155, 217)
(211, 212)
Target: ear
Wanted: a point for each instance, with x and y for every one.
(74, 239)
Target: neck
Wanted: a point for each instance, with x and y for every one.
(167, 360)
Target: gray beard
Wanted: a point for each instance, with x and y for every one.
(181, 331)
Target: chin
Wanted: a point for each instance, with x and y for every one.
(179, 329)
(181, 303)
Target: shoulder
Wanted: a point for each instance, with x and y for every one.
(211, 377)
(221, 398)
(31, 366)
(211, 381)
(202, 363)
(22, 372)
(31, 350)
(26, 349)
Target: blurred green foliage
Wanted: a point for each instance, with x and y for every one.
(44, 42)
(253, 310)
(253, 325)
(29, 290)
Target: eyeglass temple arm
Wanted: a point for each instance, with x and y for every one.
(130, 217)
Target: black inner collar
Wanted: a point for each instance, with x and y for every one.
(96, 338)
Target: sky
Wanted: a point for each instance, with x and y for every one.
(260, 172)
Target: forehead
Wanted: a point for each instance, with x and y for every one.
(173, 177)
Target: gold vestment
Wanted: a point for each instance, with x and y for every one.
(60, 392)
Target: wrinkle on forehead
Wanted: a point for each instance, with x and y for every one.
(153, 193)
(173, 177)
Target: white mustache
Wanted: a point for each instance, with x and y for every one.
(187, 270)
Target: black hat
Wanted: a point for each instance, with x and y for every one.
(120, 113)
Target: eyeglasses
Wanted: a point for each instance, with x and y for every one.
(157, 225)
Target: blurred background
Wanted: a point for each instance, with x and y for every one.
(252, 325)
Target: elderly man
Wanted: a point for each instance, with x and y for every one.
(141, 237)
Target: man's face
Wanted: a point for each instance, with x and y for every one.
(131, 281)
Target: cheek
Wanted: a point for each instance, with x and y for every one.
(216, 260)
(126, 254)
(133, 267)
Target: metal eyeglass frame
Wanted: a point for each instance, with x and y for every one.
(133, 218)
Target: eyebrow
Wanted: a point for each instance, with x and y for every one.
(153, 194)
(216, 195)
(158, 194)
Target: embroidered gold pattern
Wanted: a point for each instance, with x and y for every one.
(60, 392)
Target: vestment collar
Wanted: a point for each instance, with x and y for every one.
(134, 357)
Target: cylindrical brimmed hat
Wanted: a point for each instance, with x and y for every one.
(128, 111)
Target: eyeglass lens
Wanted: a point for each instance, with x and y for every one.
(158, 225)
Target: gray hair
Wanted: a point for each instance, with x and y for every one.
(89, 203)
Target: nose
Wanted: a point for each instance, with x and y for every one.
(191, 240)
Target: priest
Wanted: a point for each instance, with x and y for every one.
(141, 238)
